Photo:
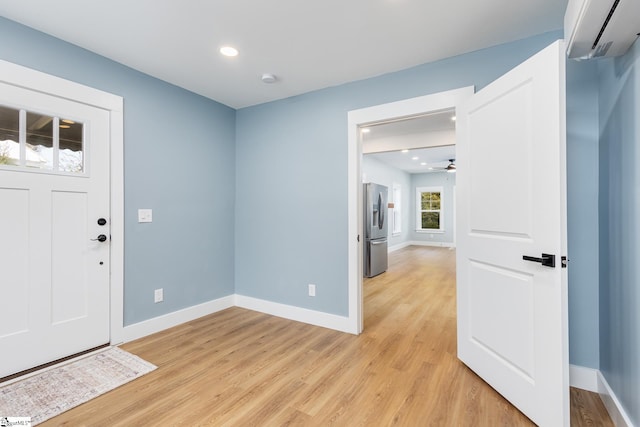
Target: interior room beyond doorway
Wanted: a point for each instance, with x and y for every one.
(415, 159)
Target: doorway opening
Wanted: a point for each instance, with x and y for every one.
(357, 120)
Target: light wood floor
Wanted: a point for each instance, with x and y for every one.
(241, 368)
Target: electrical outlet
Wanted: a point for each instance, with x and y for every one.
(312, 290)
(158, 295)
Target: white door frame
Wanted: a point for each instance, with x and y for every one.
(35, 80)
(357, 118)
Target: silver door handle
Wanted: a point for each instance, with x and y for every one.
(381, 212)
(377, 243)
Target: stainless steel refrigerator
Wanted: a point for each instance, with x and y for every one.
(375, 229)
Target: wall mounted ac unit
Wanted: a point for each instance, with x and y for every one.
(600, 28)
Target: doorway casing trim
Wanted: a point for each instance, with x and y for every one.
(27, 78)
(356, 118)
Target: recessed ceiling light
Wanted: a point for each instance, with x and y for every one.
(229, 51)
(405, 151)
(423, 164)
(366, 130)
(415, 158)
(453, 118)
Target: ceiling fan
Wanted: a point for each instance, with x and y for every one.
(451, 167)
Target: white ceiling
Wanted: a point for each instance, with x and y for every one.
(385, 142)
(435, 159)
(308, 45)
(433, 122)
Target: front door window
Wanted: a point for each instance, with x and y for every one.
(35, 141)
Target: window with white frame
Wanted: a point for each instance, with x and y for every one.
(37, 142)
(397, 209)
(429, 209)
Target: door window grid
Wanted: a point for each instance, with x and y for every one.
(39, 142)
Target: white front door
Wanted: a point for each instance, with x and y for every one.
(512, 312)
(54, 189)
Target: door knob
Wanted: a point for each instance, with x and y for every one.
(101, 238)
(547, 260)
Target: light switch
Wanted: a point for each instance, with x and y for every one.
(145, 215)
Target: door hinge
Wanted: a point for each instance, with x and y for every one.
(564, 261)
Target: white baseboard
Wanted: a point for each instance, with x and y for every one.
(583, 378)
(616, 411)
(437, 244)
(592, 380)
(420, 243)
(160, 323)
(317, 318)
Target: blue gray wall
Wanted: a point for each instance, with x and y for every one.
(619, 102)
(381, 173)
(179, 161)
(447, 181)
(582, 211)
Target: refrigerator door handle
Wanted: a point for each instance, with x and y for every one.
(381, 212)
(376, 243)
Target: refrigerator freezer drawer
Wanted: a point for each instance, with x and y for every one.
(375, 257)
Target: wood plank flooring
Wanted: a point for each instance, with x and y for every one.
(242, 368)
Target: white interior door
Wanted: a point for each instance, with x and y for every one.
(512, 313)
(54, 188)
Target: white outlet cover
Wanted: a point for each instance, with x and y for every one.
(145, 215)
